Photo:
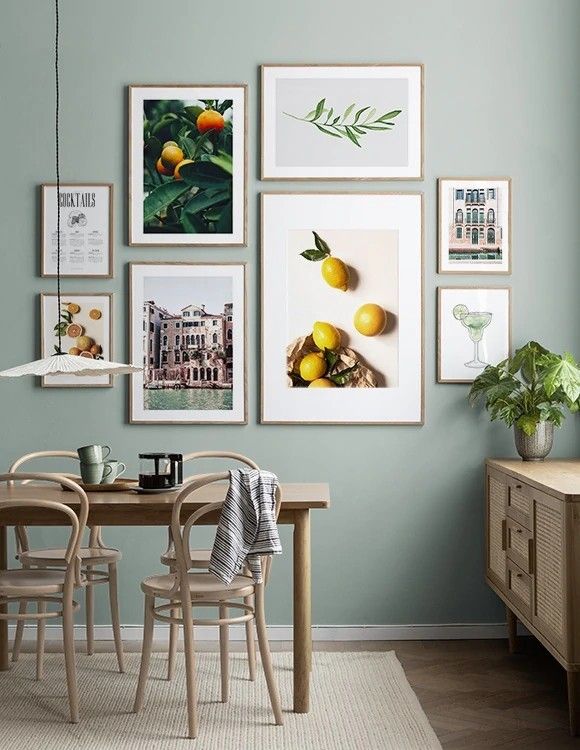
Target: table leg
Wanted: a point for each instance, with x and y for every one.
(574, 702)
(302, 612)
(4, 665)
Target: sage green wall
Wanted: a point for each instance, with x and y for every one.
(502, 97)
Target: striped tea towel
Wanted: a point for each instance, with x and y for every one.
(247, 526)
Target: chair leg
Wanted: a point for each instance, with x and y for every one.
(19, 630)
(251, 641)
(224, 653)
(266, 656)
(69, 657)
(90, 612)
(114, 605)
(145, 653)
(40, 633)
(173, 638)
(189, 669)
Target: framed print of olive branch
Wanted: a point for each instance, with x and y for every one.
(342, 122)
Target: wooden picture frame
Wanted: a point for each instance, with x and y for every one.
(176, 272)
(82, 201)
(496, 213)
(380, 159)
(500, 348)
(90, 328)
(396, 396)
(230, 174)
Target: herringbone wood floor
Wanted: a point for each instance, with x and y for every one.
(478, 696)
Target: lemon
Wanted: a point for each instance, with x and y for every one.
(312, 366)
(370, 319)
(325, 336)
(335, 273)
(460, 311)
(322, 383)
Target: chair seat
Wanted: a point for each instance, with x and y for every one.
(32, 582)
(88, 555)
(199, 558)
(201, 586)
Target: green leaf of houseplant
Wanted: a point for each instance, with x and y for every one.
(527, 423)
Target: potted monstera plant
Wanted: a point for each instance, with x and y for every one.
(530, 391)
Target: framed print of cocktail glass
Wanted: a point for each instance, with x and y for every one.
(187, 165)
(86, 230)
(188, 327)
(474, 330)
(334, 122)
(475, 225)
(342, 308)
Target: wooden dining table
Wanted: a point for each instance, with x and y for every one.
(128, 508)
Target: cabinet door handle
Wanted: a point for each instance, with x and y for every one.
(518, 486)
(503, 535)
(531, 557)
(518, 531)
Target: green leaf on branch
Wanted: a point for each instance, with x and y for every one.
(321, 244)
(204, 174)
(162, 197)
(340, 378)
(314, 254)
(527, 423)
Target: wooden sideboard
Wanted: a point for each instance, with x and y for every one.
(533, 556)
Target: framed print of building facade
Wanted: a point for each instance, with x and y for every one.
(333, 122)
(187, 165)
(342, 308)
(188, 328)
(475, 225)
(474, 330)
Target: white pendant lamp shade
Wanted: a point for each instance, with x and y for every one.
(69, 364)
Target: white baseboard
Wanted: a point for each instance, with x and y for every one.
(456, 631)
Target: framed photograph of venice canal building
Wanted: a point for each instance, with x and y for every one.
(188, 327)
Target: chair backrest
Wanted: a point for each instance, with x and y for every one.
(22, 543)
(77, 522)
(181, 535)
(221, 454)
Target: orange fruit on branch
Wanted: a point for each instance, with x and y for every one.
(163, 170)
(171, 156)
(209, 119)
(176, 173)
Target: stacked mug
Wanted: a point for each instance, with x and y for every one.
(97, 467)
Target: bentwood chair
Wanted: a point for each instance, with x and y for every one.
(93, 556)
(200, 559)
(194, 589)
(45, 586)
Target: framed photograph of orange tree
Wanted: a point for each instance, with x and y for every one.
(187, 165)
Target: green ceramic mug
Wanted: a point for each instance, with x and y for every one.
(94, 473)
(116, 469)
(93, 454)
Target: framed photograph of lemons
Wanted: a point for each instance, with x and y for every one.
(85, 325)
(187, 165)
(342, 308)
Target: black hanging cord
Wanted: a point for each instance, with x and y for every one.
(57, 159)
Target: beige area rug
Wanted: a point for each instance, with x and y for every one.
(358, 701)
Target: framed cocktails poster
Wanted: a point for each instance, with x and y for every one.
(342, 308)
(86, 230)
(474, 330)
(187, 165)
(188, 328)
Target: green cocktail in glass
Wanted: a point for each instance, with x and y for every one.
(476, 323)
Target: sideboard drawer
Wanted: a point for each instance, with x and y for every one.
(519, 585)
(519, 545)
(519, 503)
